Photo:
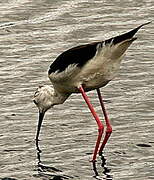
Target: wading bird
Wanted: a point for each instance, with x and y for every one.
(82, 69)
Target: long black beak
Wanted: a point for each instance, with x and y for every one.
(41, 116)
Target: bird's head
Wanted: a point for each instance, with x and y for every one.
(46, 97)
(43, 99)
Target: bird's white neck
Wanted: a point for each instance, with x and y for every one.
(59, 98)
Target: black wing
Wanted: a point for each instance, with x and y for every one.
(81, 54)
(78, 55)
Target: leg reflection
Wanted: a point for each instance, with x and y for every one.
(106, 171)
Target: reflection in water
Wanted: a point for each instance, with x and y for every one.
(44, 170)
(106, 170)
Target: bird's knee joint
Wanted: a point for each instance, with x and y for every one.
(109, 129)
(101, 129)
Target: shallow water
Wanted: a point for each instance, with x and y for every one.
(32, 34)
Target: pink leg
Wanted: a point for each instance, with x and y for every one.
(99, 123)
(108, 124)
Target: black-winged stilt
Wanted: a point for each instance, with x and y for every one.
(81, 69)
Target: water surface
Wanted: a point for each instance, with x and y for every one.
(32, 34)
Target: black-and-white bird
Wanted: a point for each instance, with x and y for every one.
(81, 69)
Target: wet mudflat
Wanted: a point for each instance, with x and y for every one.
(32, 34)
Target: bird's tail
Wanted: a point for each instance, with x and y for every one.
(125, 36)
(119, 44)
